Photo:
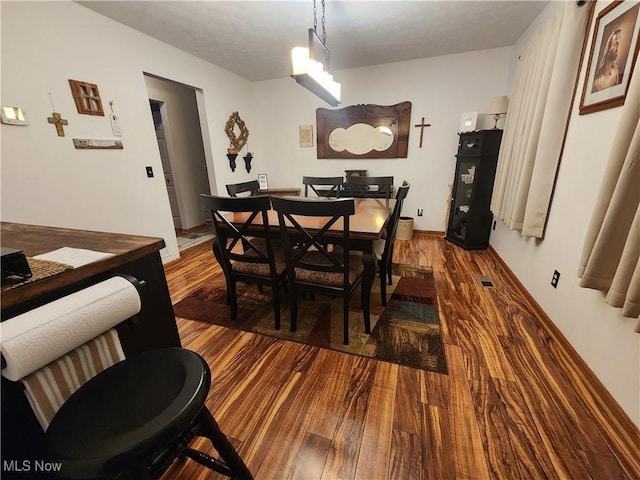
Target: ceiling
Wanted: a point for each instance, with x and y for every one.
(253, 39)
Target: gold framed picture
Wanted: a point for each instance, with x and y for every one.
(614, 51)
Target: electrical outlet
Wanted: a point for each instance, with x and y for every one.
(149, 172)
(419, 212)
(555, 279)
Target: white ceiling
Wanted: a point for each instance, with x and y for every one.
(254, 38)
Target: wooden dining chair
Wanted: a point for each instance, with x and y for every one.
(334, 184)
(384, 249)
(233, 189)
(311, 266)
(246, 258)
(370, 187)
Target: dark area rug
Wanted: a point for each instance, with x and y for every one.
(406, 331)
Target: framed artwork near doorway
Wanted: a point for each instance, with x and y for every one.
(612, 59)
(262, 181)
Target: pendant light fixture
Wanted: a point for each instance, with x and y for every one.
(311, 65)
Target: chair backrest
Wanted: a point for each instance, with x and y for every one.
(307, 249)
(361, 186)
(233, 189)
(235, 243)
(335, 184)
(392, 226)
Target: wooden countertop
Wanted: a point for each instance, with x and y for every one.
(36, 240)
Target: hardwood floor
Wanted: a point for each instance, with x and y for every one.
(513, 405)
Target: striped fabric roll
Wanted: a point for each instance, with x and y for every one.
(49, 387)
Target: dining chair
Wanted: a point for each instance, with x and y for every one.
(233, 189)
(334, 183)
(361, 186)
(246, 258)
(384, 248)
(311, 266)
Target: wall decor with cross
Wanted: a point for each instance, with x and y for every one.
(421, 126)
(59, 122)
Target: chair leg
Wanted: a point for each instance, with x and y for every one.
(383, 283)
(345, 313)
(231, 292)
(293, 308)
(211, 430)
(275, 287)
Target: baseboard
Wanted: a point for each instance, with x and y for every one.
(617, 418)
(429, 232)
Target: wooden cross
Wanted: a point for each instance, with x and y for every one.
(58, 121)
(422, 125)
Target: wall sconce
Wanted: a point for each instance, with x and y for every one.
(247, 161)
(498, 108)
(232, 155)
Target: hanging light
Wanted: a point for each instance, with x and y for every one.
(311, 65)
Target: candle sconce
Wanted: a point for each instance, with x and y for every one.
(232, 155)
(247, 161)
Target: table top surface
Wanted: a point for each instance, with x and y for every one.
(36, 239)
(368, 222)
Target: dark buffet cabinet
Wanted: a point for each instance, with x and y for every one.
(470, 217)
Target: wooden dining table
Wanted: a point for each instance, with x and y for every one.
(366, 226)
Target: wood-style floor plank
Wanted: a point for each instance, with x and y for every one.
(514, 405)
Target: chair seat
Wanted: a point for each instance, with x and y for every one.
(261, 269)
(129, 412)
(329, 278)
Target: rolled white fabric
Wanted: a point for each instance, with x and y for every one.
(35, 338)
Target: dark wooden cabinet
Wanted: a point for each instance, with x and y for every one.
(470, 217)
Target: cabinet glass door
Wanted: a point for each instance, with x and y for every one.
(463, 197)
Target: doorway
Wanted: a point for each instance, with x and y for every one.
(178, 124)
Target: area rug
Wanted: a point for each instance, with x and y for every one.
(406, 331)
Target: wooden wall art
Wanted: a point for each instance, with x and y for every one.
(87, 97)
(364, 131)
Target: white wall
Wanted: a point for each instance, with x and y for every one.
(440, 90)
(45, 180)
(602, 337)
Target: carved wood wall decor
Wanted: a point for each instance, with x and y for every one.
(87, 97)
(395, 118)
(237, 141)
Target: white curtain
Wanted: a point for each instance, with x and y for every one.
(534, 130)
(610, 259)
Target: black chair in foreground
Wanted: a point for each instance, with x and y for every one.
(245, 258)
(233, 189)
(132, 420)
(369, 187)
(311, 266)
(384, 253)
(334, 184)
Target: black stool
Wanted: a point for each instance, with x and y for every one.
(135, 418)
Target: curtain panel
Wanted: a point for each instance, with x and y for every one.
(533, 138)
(610, 259)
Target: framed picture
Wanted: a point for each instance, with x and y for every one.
(610, 64)
(262, 181)
(468, 121)
(306, 135)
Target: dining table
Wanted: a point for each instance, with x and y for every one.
(366, 225)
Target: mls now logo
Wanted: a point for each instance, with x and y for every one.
(30, 466)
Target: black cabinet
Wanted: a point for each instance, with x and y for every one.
(470, 217)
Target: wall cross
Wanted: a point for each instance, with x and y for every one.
(58, 121)
(421, 126)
